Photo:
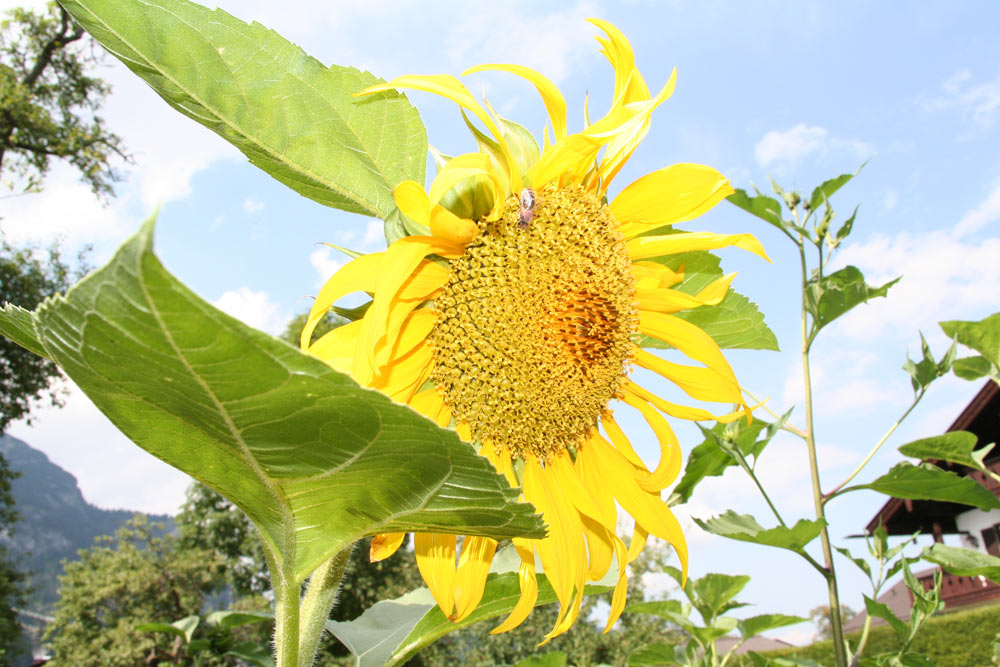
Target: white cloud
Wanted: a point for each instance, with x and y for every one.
(253, 205)
(548, 42)
(890, 200)
(988, 211)
(254, 308)
(323, 261)
(978, 101)
(792, 145)
(374, 234)
(81, 440)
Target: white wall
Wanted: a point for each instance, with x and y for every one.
(974, 522)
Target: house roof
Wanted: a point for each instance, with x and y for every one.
(904, 517)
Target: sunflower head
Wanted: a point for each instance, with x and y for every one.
(514, 314)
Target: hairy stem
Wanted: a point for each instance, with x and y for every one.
(831, 577)
(319, 599)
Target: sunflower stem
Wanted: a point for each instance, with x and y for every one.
(830, 573)
(321, 595)
(286, 613)
(789, 428)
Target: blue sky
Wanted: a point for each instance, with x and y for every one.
(801, 91)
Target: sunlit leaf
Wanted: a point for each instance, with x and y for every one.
(861, 563)
(766, 208)
(964, 562)
(714, 592)
(928, 482)
(755, 625)
(653, 655)
(881, 610)
(982, 336)
(314, 460)
(390, 632)
(290, 114)
(745, 528)
(955, 446)
(553, 659)
(827, 188)
(836, 294)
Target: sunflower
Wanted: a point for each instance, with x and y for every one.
(514, 310)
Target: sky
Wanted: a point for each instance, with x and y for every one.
(798, 91)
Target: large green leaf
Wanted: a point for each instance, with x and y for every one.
(313, 459)
(928, 482)
(734, 323)
(290, 114)
(758, 624)
(826, 189)
(392, 631)
(982, 336)
(964, 562)
(714, 593)
(653, 655)
(745, 528)
(766, 208)
(955, 446)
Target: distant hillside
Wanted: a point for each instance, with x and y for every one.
(55, 521)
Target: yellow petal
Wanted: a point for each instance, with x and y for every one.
(428, 403)
(617, 49)
(436, 561)
(703, 384)
(448, 86)
(683, 411)
(384, 545)
(599, 548)
(658, 274)
(404, 376)
(529, 588)
(413, 202)
(448, 226)
(639, 535)
(673, 194)
(648, 509)
(574, 153)
(620, 440)
(621, 588)
(670, 449)
(338, 347)
(555, 104)
(358, 275)
(470, 579)
(413, 331)
(644, 247)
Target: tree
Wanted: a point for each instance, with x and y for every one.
(132, 578)
(26, 280)
(49, 105)
(12, 593)
(820, 616)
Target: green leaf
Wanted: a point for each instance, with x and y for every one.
(19, 326)
(168, 628)
(290, 114)
(314, 460)
(827, 189)
(928, 482)
(973, 368)
(714, 591)
(955, 446)
(755, 625)
(964, 562)
(258, 655)
(860, 562)
(232, 619)
(745, 528)
(391, 631)
(734, 324)
(766, 208)
(982, 336)
(845, 229)
(834, 295)
(924, 372)
(759, 660)
(653, 655)
(553, 659)
(671, 610)
(882, 611)
(720, 628)
(712, 456)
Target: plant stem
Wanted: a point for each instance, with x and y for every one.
(878, 445)
(784, 427)
(319, 599)
(862, 642)
(286, 616)
(831, 577)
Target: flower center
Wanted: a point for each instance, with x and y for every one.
(535, 328)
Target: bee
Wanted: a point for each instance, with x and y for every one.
(527, 203)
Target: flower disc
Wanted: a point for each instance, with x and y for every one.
(536, 324)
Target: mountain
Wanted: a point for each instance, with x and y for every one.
(54, 519)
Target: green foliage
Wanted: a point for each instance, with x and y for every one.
(964, 562)
(954, 446)
(216, 642)
(12, 579)
(48, 104)
(26, 279)
(735, 323)
(928, 482)
(822, 618)
(925, 371)
(829, 297)
(122, 582)
(278, 432)
(291, 115)
(983, 337)
(745, 528)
